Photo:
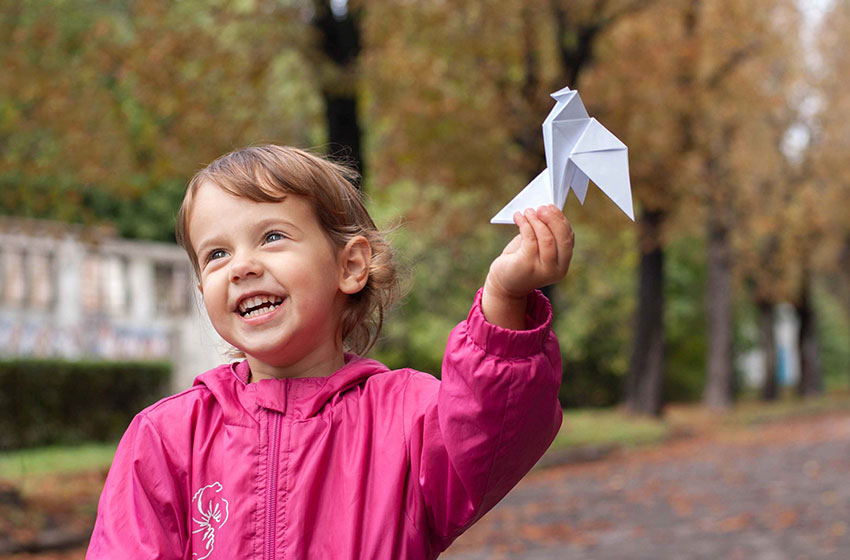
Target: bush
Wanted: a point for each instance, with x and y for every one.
(45, 402)
(684, 315)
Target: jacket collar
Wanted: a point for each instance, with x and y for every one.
(301, 397)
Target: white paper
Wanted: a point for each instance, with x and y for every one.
(535, 194)
(578, 148)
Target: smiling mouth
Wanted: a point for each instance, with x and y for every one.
(259, 305)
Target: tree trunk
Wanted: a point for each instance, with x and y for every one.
(646, 370)
(340, 43)
(767, 336)
(811, 382)
(719, 382)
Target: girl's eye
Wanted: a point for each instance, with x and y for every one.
(273, 236)
(216, 254)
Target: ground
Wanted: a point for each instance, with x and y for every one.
(772, 490)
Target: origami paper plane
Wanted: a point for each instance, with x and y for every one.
(578, 150)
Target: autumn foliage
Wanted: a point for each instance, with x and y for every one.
(731, 111)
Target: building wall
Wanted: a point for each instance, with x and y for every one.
(82, 293)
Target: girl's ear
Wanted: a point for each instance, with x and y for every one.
(355, 260)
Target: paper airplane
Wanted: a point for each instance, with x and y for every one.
(578, 150)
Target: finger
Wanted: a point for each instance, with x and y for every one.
(545, 240)
(526, 231)
(562, 232)
(528, 238)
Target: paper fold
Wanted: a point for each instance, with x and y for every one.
(578, 149)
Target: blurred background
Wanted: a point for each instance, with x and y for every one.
(724, 309)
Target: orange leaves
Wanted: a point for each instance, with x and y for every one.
(121, 100)
(764, 490)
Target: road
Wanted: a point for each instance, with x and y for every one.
(772, 492)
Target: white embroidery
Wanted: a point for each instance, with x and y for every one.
(213, 511)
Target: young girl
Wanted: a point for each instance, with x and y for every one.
(303, 450)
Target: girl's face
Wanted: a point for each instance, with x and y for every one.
(270, 279)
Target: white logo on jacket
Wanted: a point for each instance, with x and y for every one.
(213, 512)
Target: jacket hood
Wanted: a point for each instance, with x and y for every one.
(302, 397)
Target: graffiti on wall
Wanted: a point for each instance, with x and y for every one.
(99, 340)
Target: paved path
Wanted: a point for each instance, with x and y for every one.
(780, 492)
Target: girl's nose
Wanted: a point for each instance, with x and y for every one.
(244, 266)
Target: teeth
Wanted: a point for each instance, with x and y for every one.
(261, 311)
(258, 305)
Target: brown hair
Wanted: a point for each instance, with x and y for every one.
(268, 174)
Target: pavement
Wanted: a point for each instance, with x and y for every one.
(770, 492)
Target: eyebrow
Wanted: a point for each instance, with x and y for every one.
(203, 246)
(263, 224)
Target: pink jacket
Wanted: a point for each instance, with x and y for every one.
(366, 463)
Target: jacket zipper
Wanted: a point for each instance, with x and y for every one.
(271, 489)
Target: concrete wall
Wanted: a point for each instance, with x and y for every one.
(73, 292)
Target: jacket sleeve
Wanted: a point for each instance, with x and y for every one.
(494, 415)
(140, 512)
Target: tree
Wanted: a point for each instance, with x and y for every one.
(111, 106)
(338, 27)
(681, 97)
(737, 90)
(763, 242)
(646, 97)
(830, 143)
(452, 108)
(464, 98)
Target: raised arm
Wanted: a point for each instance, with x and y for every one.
(496, 410)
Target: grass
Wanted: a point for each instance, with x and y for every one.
(750, 412)
(18, 465)
(607, 427)
(581, 428)
(616, 428)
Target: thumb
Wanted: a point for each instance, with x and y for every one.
(513, 245)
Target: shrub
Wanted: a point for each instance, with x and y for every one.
(45, 402)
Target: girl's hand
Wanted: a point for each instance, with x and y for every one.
(540, 255)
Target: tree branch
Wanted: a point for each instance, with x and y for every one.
(576, 55)
(628, 8)
(736, 58)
